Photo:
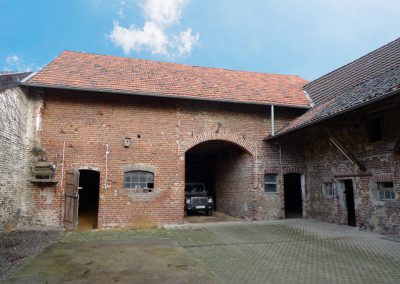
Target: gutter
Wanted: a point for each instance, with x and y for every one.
(377, 99)
(25, 84)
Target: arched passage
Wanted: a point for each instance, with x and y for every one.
(225, 168)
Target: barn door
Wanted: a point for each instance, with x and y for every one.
(71, 200)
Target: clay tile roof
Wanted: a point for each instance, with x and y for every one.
(363, 81)
(83, 71)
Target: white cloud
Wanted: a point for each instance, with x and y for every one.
(186, 41)
(163, 12)
(159, 15)
(13, 60)
(16, 63)
(121, 10)
(131, 38)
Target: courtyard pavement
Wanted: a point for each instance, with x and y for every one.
(289, 251)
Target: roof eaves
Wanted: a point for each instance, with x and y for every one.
(313, 122)
(27, 84)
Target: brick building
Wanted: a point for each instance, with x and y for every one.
(124, 123)
(351, 140)
(131, 132)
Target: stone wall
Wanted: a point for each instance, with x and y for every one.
(16, 140)
(325, 163)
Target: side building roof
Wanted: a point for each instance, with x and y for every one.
(111, 74)
(9, 80)
(363, 81)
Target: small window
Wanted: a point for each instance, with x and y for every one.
(386, 191)
(374, 129)
(270, 183)
(138, 179)
(327, 189)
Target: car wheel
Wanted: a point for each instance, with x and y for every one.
(209, 213)
(185, 213)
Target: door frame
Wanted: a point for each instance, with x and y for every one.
(342, 208)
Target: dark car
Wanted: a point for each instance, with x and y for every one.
(197, 198)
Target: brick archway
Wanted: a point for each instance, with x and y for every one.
(245, 145)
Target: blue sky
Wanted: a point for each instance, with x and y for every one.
(305, 37)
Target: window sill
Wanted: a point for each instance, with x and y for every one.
(48, 182)
(141, 194)
(139, 190)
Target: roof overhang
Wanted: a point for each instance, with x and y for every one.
(63, 87)
(350, 109)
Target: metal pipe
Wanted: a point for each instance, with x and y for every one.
(106, 179)
(272, 120)
(62, 166)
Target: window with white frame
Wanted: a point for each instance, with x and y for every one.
(139, 180)
(270, 184)
(327, 189)
(385, 191)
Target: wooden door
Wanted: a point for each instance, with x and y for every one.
(341, 200)
(71, 200)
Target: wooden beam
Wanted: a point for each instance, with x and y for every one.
(352, 175)
(344, 150)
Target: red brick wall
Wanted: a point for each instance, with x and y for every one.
(161, 131)
(234, 184)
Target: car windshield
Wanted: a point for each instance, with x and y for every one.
(195, 189)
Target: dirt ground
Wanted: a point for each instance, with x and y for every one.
(215, 218)
(126, 256)
(21, 245)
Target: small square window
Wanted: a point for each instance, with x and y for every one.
(374, 129)
(385, 191)
(270, 184)
(327, 189)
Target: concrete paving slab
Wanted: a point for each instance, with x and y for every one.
(287, 251)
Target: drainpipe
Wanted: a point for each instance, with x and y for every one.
(62, 166)
(272, 120)
(106, 178)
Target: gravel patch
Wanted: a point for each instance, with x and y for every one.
(21, 245)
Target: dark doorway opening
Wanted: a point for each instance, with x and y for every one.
(351, 211)
(292, 193)
(89, 184)
(221, 166)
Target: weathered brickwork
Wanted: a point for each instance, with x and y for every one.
(17, 118)
(325, 163)
(234, 184)
(161, 131)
